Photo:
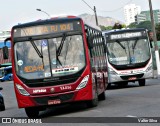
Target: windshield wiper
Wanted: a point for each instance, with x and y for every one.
(60, 48)
(121, 45)
(36, 49)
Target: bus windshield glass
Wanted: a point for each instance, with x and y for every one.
(126, 52)
(49, 57)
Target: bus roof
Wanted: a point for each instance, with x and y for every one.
(123, 30)
(42, 22)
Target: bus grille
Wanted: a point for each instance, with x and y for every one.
(137, 76)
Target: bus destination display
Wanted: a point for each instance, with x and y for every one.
(43, 29)
(126, 35)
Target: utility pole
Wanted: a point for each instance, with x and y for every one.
(155, 39)
(96, 15)
(94, 10)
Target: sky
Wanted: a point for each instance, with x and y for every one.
(13, 12)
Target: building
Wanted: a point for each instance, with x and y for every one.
(3, 36)
(145, 16)
(130, 11)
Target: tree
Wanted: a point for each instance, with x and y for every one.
(145, 24)
(117, 26)
(132, 25)
(109, 27)
(103, 28)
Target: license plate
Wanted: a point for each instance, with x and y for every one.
(132, 78)
(54, 102)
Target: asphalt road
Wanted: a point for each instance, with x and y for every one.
(132, 101)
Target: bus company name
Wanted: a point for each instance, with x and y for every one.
(39, 90)
(66, 87)
(126, 35)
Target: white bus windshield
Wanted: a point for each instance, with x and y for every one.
(57, 57)
(126, 52)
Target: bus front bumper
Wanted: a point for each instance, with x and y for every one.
(53, 99)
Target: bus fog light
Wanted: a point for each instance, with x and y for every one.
(22, 90)
(83, 83)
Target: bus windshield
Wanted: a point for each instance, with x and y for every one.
(126, 52)
(49, 57)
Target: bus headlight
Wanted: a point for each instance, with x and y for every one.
(83, 83)
(111, 71)
(22, 90)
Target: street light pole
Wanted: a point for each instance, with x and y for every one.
(95, 15)
(94, 10)
(154, 39)
(43, 12)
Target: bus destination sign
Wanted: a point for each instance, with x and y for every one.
(126, 35)
(43, 29)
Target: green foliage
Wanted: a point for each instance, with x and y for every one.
(132, 25)
(145, 24)
(103, 28)
(124, 26)
(109, 28)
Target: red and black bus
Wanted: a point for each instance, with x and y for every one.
(57, 61)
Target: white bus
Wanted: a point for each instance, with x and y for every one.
(129, 56)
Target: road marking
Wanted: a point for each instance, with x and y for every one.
(132, 116)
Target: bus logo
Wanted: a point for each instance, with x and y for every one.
(52, 90)
(39, 90)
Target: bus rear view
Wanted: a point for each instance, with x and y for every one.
(129, 56)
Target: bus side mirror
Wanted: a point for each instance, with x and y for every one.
(1, 88)
(5, 52)
(90, 42)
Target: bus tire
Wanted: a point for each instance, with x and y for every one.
(109, 86)
(32, 112)
(93, 102)
(102, 96)
(123, 84)
(3, 108)
(142, 82)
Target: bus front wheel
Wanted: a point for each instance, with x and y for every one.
(102, 96)
(32, 112)
(142, 82)
(93, 102)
